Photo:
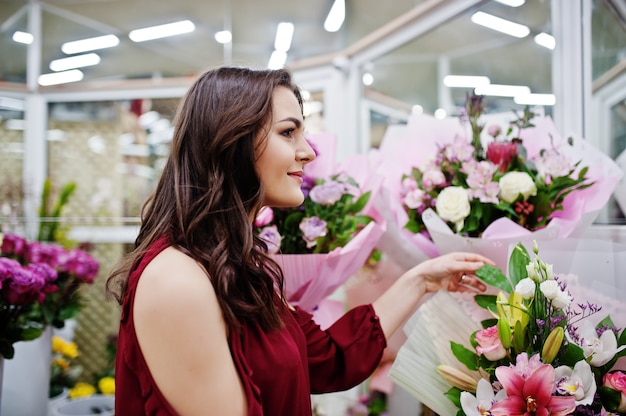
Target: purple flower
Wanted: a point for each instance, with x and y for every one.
(308, 182)
(81, 265)
(49, 253)
(272, 238)
(25, 287)
(312, 228)
(8, 268)
(327, 193)
(13, 245)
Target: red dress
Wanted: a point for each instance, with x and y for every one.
(279, 369)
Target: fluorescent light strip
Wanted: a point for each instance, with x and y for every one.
(336, 16)
(23, 37)
(277, 60)
(545, 40)
(535, 99)
(501, 25)
(72, 62)
(162, 31)
(500, 90)
(284, 34)
(90, 44)
(465, 81)
(60, 77)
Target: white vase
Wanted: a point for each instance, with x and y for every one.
(26, 378)
(97, 404)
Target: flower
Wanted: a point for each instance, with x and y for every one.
(23, 288)
(47, 273)
(489, 344)
(329, 217)
(531, 395)
(62, 373)
(616, 381)
(470, 187)
(542, 351)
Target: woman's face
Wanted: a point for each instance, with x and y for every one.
(282, 155)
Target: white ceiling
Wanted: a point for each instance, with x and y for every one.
(408, 74)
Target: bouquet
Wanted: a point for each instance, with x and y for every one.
(500, 178)
(40, 284)
(320, 243)
(537, 351)
(471, 188)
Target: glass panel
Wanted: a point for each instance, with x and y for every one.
(11, 161)
(617, 213)
(461, 47)
(13, 17)
(608, 40)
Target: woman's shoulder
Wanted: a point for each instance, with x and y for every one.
(174, 278)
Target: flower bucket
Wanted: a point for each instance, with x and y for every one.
(26, 377)
(93, 405)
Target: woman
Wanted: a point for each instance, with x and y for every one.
(205, 327)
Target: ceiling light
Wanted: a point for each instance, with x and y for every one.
(501, 25)
(23, 37)
(440, 114)
(368, 79)
(162, 31)
(90, 44)
(72, 62)
(535, 99)
(465, 81)
(500, 90)
(277, 60)
(545, 40)
(223, 37)
(60, 77)
(512, 3)
(335, 17)
(417, 109)
(284, 34)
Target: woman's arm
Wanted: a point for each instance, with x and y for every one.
(184, 339)
(444, 272)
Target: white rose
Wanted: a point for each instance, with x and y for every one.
(561, 301)
(550, 289)
(453, 205)
(525, 288)
(514, 183)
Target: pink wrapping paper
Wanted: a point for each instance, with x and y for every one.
(309, 278)
(404, 147)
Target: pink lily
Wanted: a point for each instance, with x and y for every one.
(532, 396)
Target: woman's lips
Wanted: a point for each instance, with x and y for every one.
(296, 175)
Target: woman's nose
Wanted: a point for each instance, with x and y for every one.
(306, 153)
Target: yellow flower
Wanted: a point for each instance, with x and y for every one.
(82, 389)
(106, 385)
(70, 350)
(61, 363)
(57, 344)
(60, 346)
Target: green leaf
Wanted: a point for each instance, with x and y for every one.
(494, 277)
(464, 355)
(454, 395)
(487, 302)
(571, 354)
(517, 264)
(610, 398)
(360, 203)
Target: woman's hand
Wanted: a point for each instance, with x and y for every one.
(453, 272)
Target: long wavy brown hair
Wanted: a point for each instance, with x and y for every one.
(209, 191)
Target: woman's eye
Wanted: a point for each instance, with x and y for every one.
(288, 132)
